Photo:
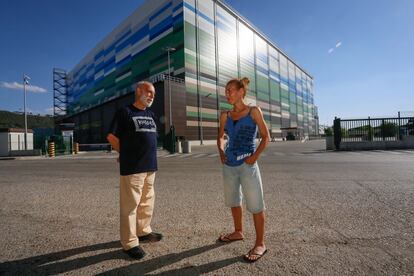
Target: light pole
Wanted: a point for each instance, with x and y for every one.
(169, 50)
(201, 116)
(25, 81)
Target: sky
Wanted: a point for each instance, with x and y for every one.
(359, 52)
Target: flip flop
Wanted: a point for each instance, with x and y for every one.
(226, 238)
(250, 254)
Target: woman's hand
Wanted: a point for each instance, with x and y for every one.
(223, 157)
(250, 160)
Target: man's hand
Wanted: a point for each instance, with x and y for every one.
(114, 141)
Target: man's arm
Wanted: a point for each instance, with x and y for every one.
(114, 130)
(114, 141)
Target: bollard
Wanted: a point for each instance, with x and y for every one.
(51, 149)
(186, 146)
(76, 149)
(178, 147)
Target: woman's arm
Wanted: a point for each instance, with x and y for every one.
(257, 116)
(220, 137)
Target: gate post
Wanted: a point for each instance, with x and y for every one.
(337, 133)
(169, 143)
(399, 127)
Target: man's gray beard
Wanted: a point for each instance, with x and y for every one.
(145, 102)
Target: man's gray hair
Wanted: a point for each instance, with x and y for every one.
(141, 83)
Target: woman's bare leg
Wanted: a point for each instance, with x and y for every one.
(237, 213)
(259, 247)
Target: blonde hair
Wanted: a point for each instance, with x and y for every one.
(240, 84)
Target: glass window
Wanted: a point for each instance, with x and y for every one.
(246, 49)
(227, 50)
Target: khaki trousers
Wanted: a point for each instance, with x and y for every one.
(136, 206)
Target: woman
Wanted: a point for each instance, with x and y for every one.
(240, 169)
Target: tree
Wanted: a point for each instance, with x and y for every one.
(328, 131)
(388, 129)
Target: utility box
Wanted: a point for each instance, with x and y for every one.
(12, 140)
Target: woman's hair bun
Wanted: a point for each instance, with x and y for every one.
(245, 81)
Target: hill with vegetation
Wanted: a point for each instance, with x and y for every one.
(16, 120)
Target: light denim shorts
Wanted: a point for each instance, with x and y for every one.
(244, 178)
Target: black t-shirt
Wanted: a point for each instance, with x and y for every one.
(137, 134)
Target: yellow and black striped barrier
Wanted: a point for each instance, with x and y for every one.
(76, 148)
(51, 149)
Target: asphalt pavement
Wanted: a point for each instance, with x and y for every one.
(328, 213)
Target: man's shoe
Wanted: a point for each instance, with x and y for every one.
(151, 237)
(136, 252)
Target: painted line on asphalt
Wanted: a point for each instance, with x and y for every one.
(393, 152)
(375, 152)
(185, 155)
(407, 151)
(170, 155)
(200, 155)
(349, 152)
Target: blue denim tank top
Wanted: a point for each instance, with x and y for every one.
(241, 136)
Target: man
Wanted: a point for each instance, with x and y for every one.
(133, 133)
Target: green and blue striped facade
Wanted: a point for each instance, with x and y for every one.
(213, 45)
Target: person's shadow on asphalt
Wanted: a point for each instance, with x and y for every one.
(51, 264)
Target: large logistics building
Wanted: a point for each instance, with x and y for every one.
(207, 44)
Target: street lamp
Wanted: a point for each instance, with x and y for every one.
(25, 81)
(201, 116)
(169, 50)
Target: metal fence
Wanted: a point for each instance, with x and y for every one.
(163, 77)
(63, 144)
(95, 147)
(372, 129)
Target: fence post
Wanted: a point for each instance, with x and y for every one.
(370, 136)
(399, 126)
(169, 142)
(337, 133)
(383, 130)
(173, 139)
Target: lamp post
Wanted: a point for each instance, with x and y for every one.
(169, 50)
(201, 116)
(25, 81)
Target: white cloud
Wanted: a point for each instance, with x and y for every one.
(337, 45)
(19, 86)
(49, 111)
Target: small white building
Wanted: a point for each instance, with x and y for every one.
(12, 139)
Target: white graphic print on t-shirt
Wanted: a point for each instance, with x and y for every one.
(144, 124)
